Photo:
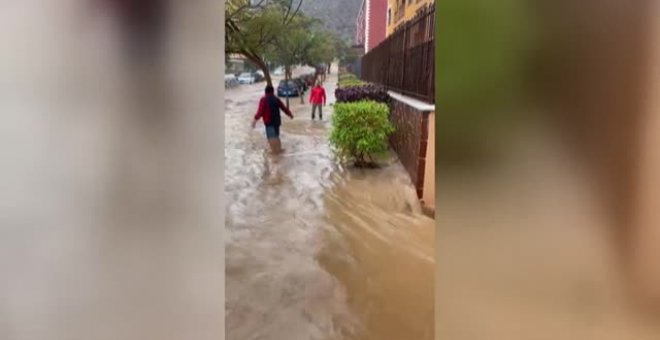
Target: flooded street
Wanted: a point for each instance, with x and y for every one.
(316, 250)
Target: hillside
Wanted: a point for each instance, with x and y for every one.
(338, 15)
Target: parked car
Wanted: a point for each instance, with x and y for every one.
(278, 71)
(246, 78)
(287, 88)
(301, 84)
(231, 80)
(258, 76)
(309, 79)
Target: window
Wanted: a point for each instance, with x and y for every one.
(400, 10)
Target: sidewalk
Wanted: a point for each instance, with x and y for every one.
(304, 111)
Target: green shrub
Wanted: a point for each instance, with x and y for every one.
(347, 76)
(360, 130)
(350, 83)
(346, 80)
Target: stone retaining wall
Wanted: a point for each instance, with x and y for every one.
(410, 141)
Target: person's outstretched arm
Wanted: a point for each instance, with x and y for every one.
(284, 108)
(260, 112)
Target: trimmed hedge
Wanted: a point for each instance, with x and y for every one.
(360, 130)
(347, 76)
(370, 92)
(350, 83)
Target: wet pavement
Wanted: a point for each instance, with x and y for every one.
(316, 249)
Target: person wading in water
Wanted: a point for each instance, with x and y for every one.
(317, 98)
(269, 111)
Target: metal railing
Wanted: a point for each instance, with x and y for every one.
(404, 61)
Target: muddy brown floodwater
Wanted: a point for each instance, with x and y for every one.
(317, 250)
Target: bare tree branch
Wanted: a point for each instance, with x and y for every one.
(288, 17)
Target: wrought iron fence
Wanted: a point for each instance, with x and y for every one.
(404, 61)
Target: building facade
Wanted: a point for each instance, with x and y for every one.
(400, 11)
(371, 23)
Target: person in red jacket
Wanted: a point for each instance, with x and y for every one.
(269, 112)
(317, 99)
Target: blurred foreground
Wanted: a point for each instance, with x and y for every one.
(110, 214)
(547, 170)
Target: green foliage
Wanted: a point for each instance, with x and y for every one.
(341, 47)
(350, 83)
(251, 31)
(251, 28)
(322, 49)
(347, 76)
(360, 130)
(277, 32)
(347, 80)
(303, 43)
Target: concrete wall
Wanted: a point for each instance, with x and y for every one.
(428, 196)
(414, 143)
(646, 218)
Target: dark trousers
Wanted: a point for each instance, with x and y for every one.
(320, 107)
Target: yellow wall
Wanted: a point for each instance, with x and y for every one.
(429, 171)
(646, 222)
(410, 8)
(390, 24)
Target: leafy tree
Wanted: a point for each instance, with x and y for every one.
(251, 26)
(322, 50)
(341, 47)
(303, 44)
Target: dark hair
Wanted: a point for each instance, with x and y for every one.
(270, 90)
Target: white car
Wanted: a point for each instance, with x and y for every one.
(279, 71)
(246, 78)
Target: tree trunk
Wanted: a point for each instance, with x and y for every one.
(259, 63)
(301, 91)
(287, 72)
(287, 77)
(269, 81)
